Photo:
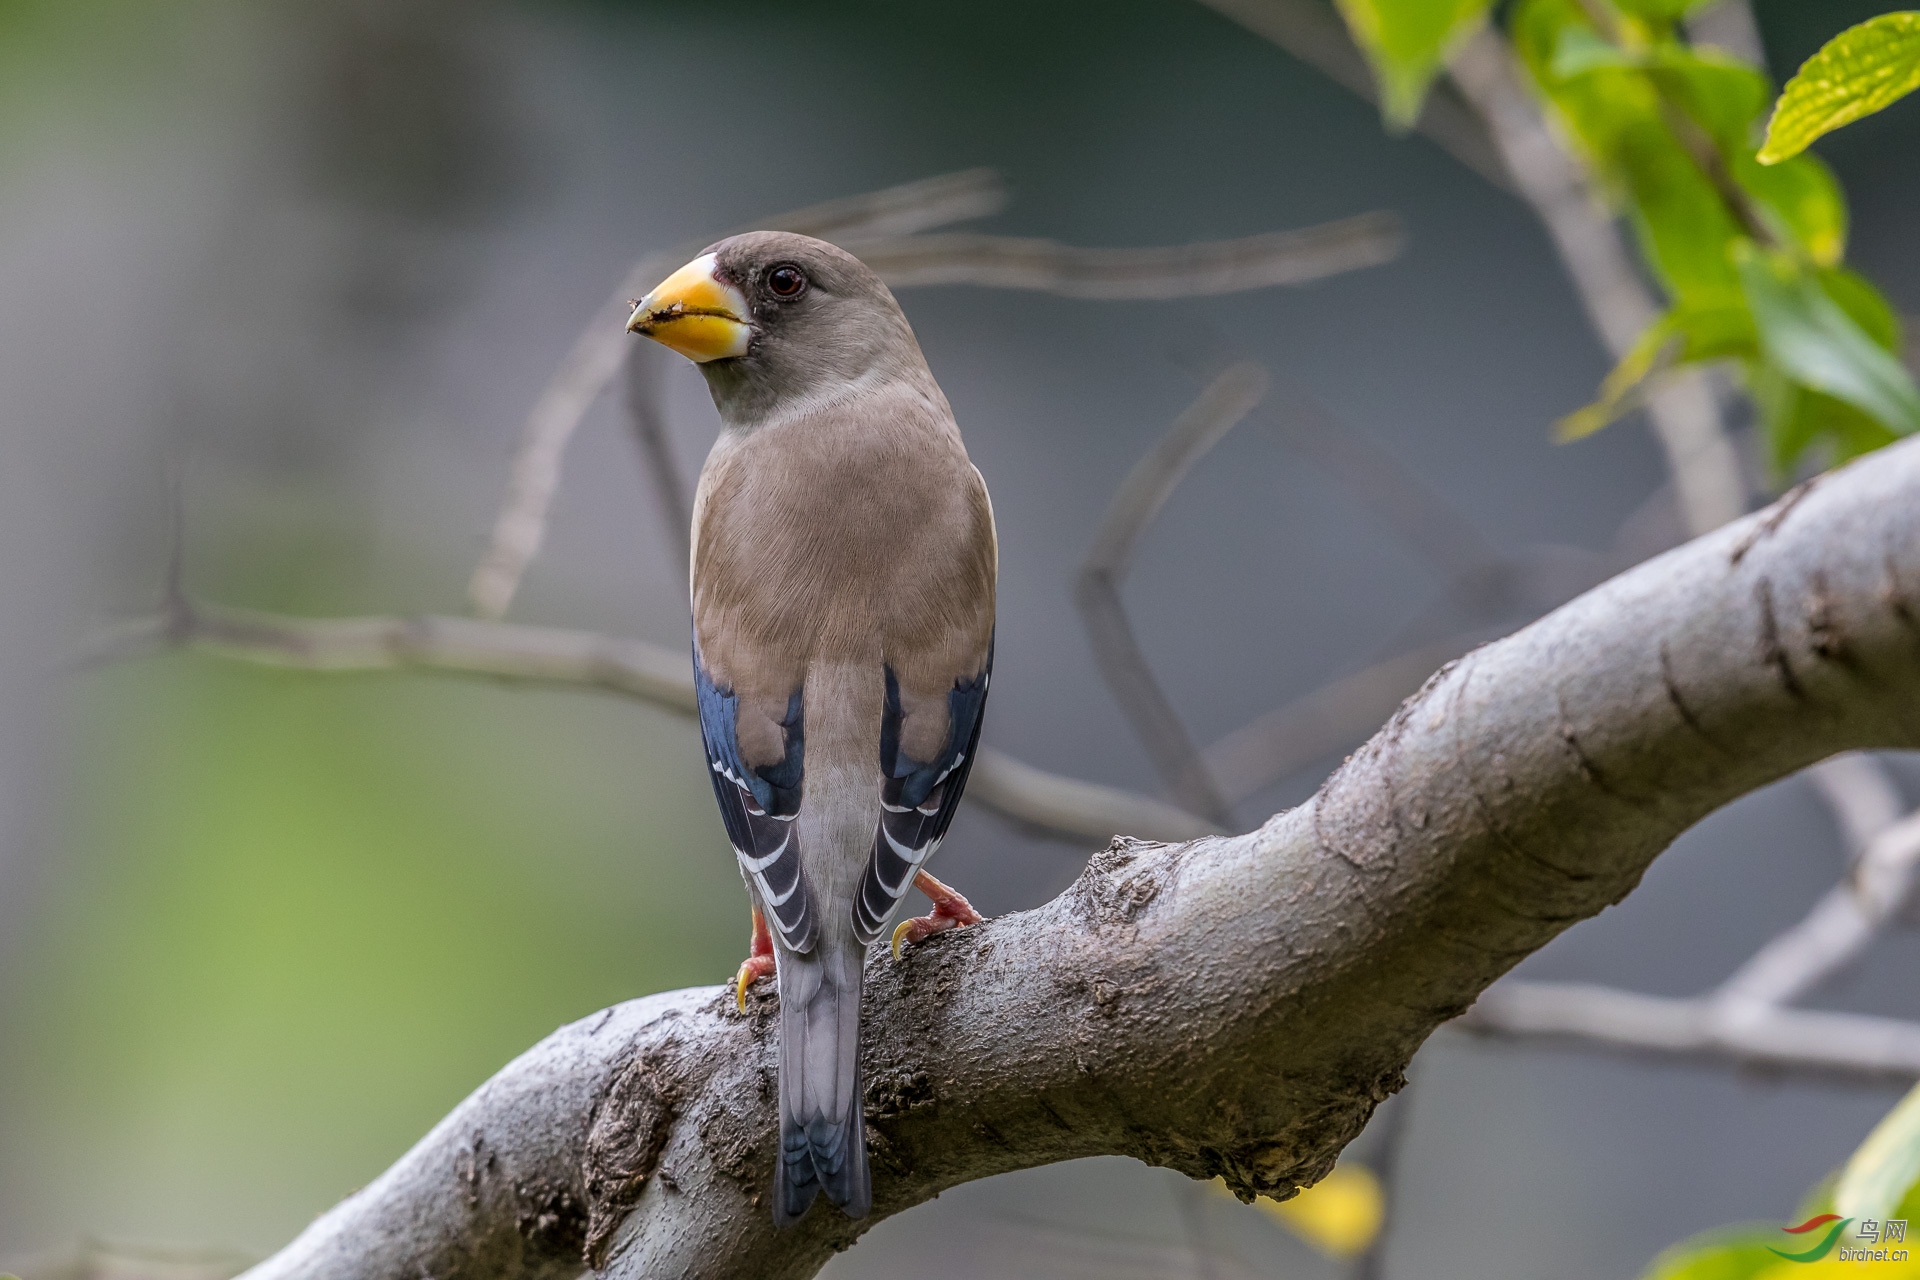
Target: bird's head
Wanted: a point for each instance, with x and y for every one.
(774, 318)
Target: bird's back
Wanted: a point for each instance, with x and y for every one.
(846, 553)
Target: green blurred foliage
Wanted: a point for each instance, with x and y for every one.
(1748, 253)
(1405, 42)
(1880, 1181)
(297, 917)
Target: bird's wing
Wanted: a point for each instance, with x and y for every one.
(758, 804)
(917, 797)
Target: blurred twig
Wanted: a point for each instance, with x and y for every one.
(93, 1260)
(1839, 928)
(647, 418)
(1325, 722)
(1171, 271)
(1482, 588)
(1065, 808)
(1489, 121)
(1313, 33)
(1848, 1045)
(1387, 1161)
(1428, 524)
(883, 229)
(595, 357)
(1226, 400)
(1863, 798)
(1748, 1018)
(1683, 408)
(1729, 25)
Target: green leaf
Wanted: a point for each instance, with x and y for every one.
(1613, 111)
(1795, 420)
(1815, 342)
(1864, 305)
(1661, 10)
(1701, 327)
(1406, 41)
(1855, 74)
(1622, 391)
(1723, 95)
(1736, 1253)
(1885, 1171)
(1800, 201)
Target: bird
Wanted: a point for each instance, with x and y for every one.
(842, 577)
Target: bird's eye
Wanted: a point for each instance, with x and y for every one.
(786, 280)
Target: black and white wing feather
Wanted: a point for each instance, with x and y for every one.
(759, 806)
(917, 799)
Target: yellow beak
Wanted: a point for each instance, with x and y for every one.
(694, 313)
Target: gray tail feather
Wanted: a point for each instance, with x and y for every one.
(822, 1136)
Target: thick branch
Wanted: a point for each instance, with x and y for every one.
(1065, 808)
(1236, 1006)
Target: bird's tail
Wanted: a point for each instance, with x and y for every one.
(822, 1138)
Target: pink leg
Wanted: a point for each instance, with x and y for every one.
(950, 911)
(759, 961)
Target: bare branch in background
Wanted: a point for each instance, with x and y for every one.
(1313, 33)
(647, 418)
(1226, 400)
(1326, 722)
(1838, 929)
(1482, 587)
(1684, 411)
(1174, 271)
(1847, 1045)
(93, 1260)
(1426, 522)
(1746, 1019)
(1495, 127)
(1387, 1161)
(1863, 796)
(596, 356)
(1235, 1007)
(1065, 808)
(884, 229)
(1729, 25)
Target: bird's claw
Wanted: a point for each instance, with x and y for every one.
(752, 969)
(950, 911)
(757, 965)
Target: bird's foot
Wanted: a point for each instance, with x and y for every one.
(950, 911)
(757, 965)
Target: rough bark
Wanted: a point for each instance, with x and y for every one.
(1234, 1006)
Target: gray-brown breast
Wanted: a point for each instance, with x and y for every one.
(858, 534)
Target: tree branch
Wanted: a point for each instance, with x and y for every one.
(883, 228)
(1682, 407)
(1313, 33)
(1112, 275)
(1236, 1006)
(1844, 1045)
(1065, 808)
(1219, 408)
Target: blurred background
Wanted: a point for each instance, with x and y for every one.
(311, 263)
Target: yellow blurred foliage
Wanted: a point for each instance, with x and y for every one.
(1340, 1215)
